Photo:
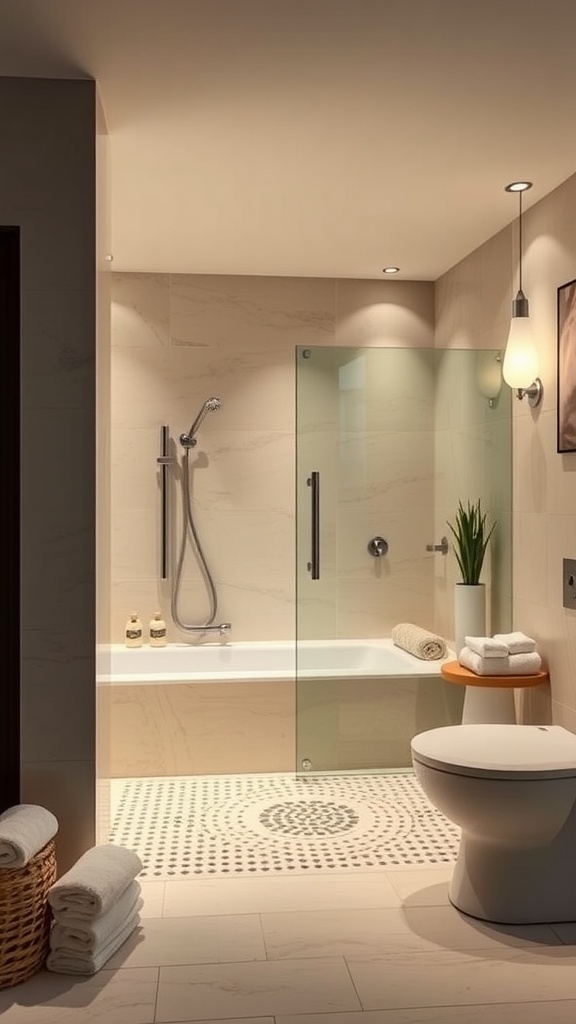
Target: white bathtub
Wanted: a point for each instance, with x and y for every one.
(266, 661)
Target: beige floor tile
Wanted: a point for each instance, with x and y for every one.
(422, 887)
(452, 978)
(383, 932)
(240, 1020)
(192, 940)
(561, 1012)
(256, 989)
(258, 895)
(110, 997)
(153, 896)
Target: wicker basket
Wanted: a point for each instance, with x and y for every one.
(25, 916)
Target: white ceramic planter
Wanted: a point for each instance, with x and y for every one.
(469, 612)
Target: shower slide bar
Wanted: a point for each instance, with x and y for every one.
(164, 460)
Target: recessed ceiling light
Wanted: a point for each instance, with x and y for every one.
(518, 186)
(391, 270)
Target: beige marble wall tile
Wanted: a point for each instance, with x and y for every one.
(392, 313)
(256, 389)
(141, 311)
(370, 608)
(251, 314)
(192, 729)
(407, 533)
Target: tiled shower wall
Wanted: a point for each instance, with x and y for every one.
(179, 339)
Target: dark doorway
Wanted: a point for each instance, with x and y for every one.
(10, 456)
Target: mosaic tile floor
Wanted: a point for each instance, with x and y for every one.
(255, 825)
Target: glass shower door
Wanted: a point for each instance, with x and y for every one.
(386, 440)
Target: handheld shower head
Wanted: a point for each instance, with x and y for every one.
(210, 405)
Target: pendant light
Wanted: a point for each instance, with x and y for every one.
(520, 368)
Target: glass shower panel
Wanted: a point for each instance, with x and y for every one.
(387, 441)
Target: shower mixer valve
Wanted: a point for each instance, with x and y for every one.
(378, 547)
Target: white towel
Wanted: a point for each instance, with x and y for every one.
(486, 646)
(81, 936)
(513, 665)
(525, 664)
(517, 643)
(24, 831)
(94, 882)
(68, 962)
(419, 642)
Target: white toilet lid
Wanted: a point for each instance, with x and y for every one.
(499, 751)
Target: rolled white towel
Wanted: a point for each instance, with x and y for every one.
(94, 882)
(80, 936)
(24, 831)
(419, 642)
(517, 643)
(486, 646)
(68, 962)
(513, 665)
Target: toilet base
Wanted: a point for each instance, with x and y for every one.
(516, 885)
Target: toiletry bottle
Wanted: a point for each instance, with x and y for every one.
(157, 631)
(133, 631)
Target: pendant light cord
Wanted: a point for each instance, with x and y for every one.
(520, 242)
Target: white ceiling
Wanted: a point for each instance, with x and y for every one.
(313, 137)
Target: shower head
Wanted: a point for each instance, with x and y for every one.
(210, 405)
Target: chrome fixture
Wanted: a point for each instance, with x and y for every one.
(442, 546)
(378, 547)
(211, 405)
(188, 441)
(520, 368)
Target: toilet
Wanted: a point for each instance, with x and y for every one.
(512, 791)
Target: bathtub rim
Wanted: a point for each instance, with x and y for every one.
(415, 667)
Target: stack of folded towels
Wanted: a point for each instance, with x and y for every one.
(24, 831)
(504, 654)
(96, 906)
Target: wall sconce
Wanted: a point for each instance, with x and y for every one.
(520, 369)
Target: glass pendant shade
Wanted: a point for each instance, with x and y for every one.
(520, 367)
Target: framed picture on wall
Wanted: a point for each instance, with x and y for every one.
(566, 306)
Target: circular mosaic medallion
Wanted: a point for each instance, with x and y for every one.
(314, 818)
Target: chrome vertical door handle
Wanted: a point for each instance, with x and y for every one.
(313, 482)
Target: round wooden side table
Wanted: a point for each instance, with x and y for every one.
(488, 698)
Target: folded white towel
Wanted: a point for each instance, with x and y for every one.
(517, 643)
(486, 646)
(525, 664)
(419, 642)
(94, 882)
(513, 665)
(68, 962)
(73, 934)
(24, 831)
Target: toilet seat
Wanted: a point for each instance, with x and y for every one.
(499, 751)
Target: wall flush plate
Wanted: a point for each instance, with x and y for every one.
(569, 582)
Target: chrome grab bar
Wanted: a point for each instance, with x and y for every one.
(313, 482)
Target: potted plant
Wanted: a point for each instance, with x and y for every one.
(471, 534)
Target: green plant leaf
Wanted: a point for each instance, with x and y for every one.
(471, 536)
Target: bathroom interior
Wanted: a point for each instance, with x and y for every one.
(391, 390)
